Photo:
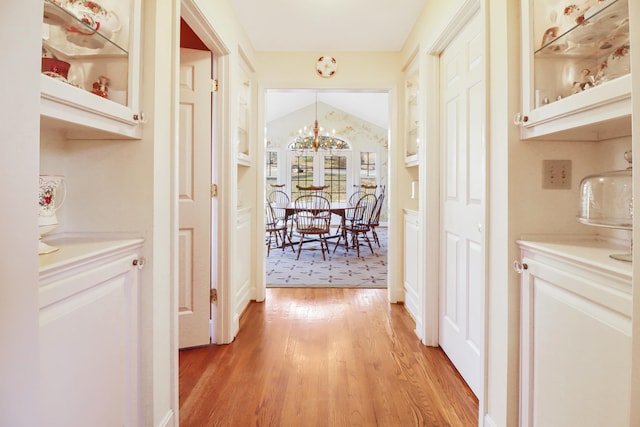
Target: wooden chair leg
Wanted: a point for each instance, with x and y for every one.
(286, 235)
(369, 242)
(323, 243)
(375, 236)
(342, 235)
(300, 246)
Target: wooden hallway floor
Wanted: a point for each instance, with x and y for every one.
(323, 357)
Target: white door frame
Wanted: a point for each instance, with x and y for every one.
(430, 175)
(222, 213)
(394, 286)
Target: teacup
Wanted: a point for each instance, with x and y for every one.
(54, 13)
(96, 19)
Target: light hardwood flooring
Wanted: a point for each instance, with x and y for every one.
(323, 357)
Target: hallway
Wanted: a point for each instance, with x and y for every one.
(324, 357)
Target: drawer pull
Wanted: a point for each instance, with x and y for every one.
(519, 267)
(139, 262)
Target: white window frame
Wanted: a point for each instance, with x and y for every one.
(318, 168)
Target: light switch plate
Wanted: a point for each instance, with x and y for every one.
(556, 174)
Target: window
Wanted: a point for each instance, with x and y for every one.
(321, 169)
(368, 168)
(301, 173)
(271, 170)
(335, 176)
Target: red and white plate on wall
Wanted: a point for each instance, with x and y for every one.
(326, 66)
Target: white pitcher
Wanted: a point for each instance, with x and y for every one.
(49, 201)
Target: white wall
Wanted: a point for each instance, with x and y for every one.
(19, 109)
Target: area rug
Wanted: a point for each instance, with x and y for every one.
(341, 269)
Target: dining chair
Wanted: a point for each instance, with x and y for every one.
(312, 217)
(359, 224)
(351, 204)
(318, 190)
(280, 202)
(375, 218)
(275, 230)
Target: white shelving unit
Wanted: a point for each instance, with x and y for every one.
(576, 82)
(412, 115)
(76, 104)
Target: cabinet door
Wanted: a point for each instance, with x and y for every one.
(575, 349)
(576, 82)
(91, 68)
(413, 292)
(89, 360)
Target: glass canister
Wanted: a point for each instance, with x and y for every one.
(606, 199)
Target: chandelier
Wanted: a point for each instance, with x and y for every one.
(310, 141)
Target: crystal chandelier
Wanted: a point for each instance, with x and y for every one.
(313, 140)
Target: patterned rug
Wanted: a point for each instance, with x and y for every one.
(340, 270)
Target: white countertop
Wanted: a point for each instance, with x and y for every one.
(75, 248)
(591, 251)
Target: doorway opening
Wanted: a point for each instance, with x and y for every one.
(361, 120)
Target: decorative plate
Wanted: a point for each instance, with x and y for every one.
(326, 66)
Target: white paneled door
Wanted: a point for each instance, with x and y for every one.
(194, 182)
(462, 202)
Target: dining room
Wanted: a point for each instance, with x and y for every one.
(349, 161)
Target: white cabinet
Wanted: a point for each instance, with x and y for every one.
(575, 74)
(91, 69)
(412, 288)
(575, 334)
(89, 313)
(411, 114)
(244, 269)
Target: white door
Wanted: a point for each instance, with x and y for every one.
(194, 198)
(462, 202)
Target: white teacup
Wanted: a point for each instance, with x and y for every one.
(100, 24)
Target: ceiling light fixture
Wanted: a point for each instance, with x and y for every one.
(312, 141)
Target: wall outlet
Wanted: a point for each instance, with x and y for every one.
(556, 174)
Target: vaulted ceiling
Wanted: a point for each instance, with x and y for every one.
(370, 106)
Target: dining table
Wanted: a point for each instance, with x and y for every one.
(339, 208)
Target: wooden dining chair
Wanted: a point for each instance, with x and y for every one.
(351, 204)
(312, 218)
(359, 224)
(280, 202)
(275, 229)
(375, 218)
(318, 190)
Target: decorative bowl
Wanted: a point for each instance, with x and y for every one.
(53, 66)
(99, 24)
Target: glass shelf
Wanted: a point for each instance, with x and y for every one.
(90, 68)
(598, 33)
(578, 46)
(72, 37)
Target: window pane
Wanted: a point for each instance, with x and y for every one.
(368, 168)
(335, 176)
(301, 173)
(271, 170)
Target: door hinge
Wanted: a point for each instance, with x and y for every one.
(214, 190)
(214, 85)
(214, 295)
